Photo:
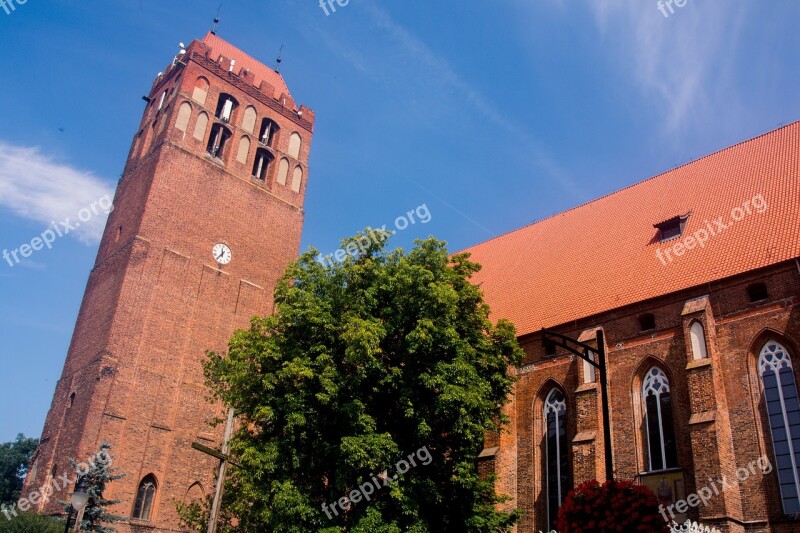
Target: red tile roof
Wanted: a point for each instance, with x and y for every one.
(602, 255)
(243, 61)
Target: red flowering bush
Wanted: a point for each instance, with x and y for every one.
(613, 506)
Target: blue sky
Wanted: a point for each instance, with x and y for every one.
(493, 114)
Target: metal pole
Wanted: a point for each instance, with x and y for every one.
(601, 356)
(69, 518)
(217, 505)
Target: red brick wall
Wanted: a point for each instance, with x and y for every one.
(718, 405)
(156, 300)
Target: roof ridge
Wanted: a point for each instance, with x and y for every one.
(632, 185)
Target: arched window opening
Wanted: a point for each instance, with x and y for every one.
(161, 101)
(71, 399)
(262, 163)
(218, 140)
(269, 130)
(556, 452)
(143, 506)
(226, 105)
(783, 411)
(662, 451)
(295, 143)
(647, 322)
(698, 338)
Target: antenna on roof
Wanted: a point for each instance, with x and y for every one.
(216, 20)
(278, 61)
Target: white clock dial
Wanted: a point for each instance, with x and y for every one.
(222, 254)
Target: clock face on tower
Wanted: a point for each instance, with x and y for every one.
(221, 253)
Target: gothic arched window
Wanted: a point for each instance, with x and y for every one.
(783, 410)
(269, 129)
(662, 452)
(226, 105)
(262, 163)
(556, 453)
(143, 505)
(218, 140)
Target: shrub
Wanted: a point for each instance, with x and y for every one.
(30, 523)
(613, 506)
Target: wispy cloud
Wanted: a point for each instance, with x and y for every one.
(401, 55)
(34, 187)
(678, 60)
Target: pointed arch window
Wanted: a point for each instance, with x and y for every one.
(662, 451)
(783, 410)
(145, 495)
(218, 140)
(556, 453)
(226, 105)
(269, 129)
(262, 164)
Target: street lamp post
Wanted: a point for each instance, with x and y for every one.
(583, 350)
(78, 499)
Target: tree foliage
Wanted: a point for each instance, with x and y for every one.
(362, 364)
(14, 459)
(97, 474)
(30, 523)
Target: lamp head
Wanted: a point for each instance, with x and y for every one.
(79, 497)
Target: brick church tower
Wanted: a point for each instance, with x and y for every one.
(207, 215)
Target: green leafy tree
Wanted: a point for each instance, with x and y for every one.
(14, 459)
(30, 523)
(97, 474)
(363, 364)
(194, 515)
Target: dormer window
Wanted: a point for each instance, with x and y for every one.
(225, 107)
(672, 228)
(268, 131)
